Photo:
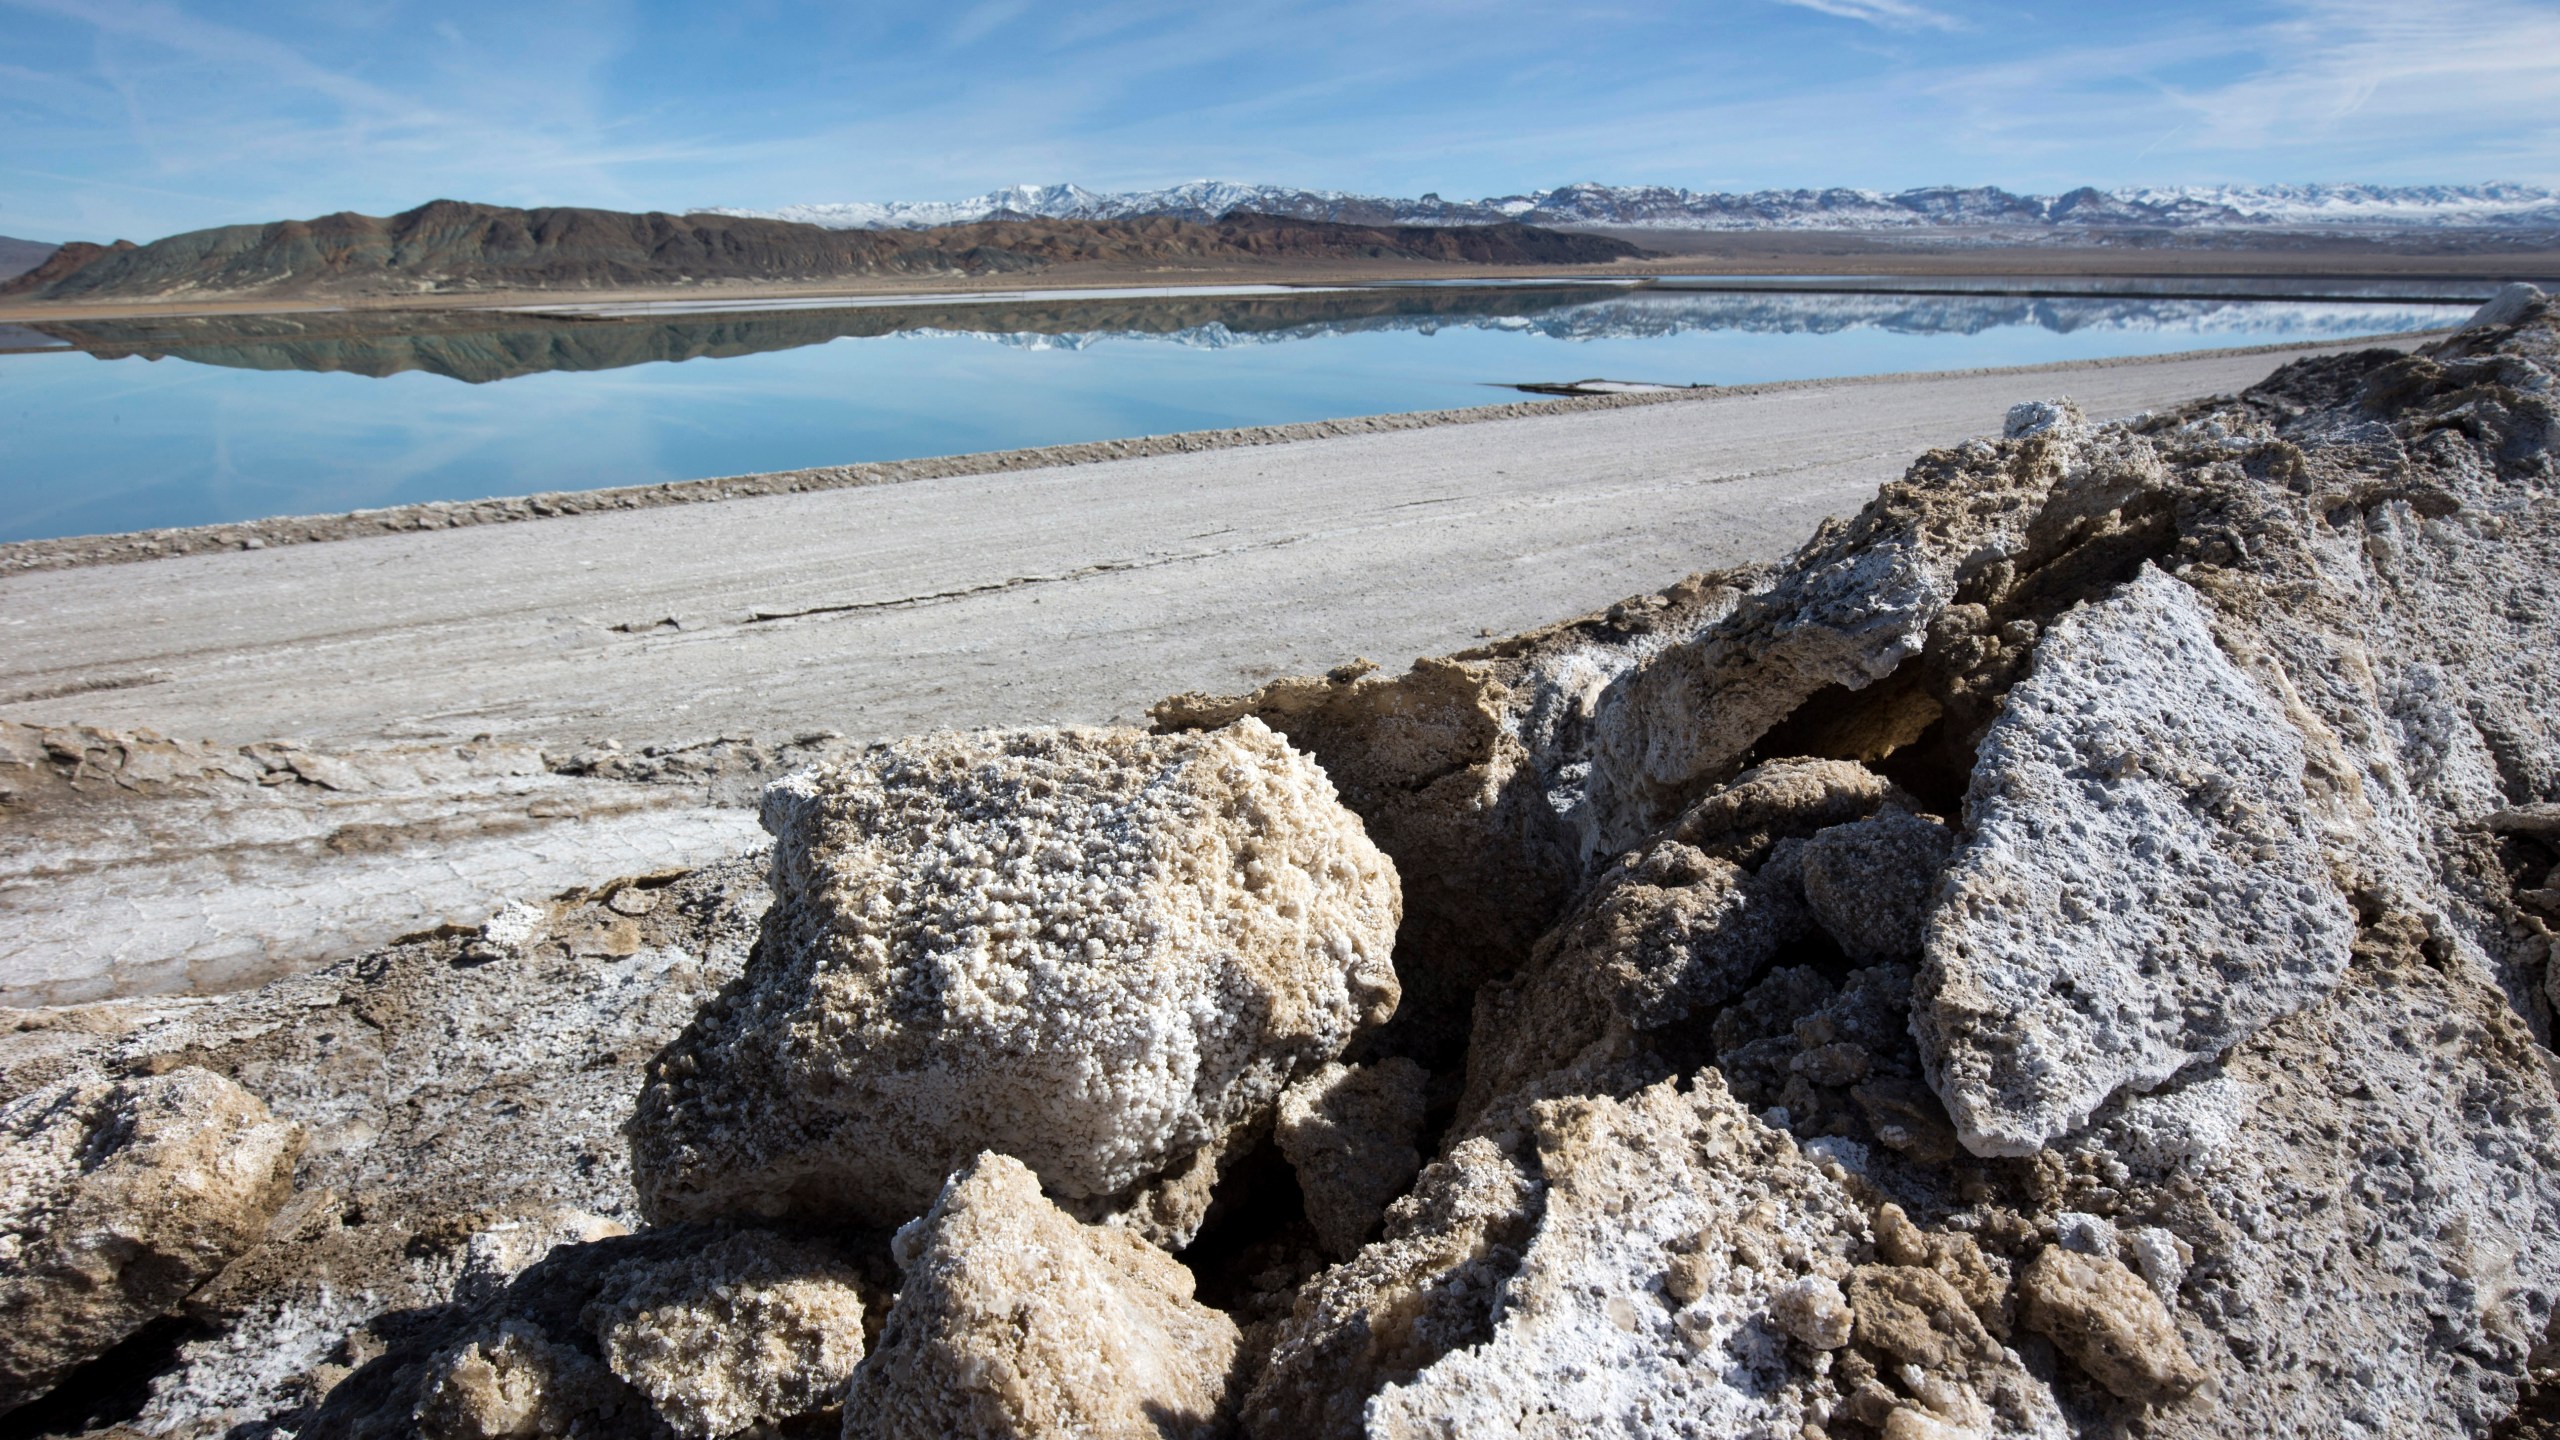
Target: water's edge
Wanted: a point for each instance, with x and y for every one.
(66, 552)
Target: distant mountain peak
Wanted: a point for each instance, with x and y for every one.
(1590, 202)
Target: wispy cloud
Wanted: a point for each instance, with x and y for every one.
(158, 115)
(2332, 64)
(1889, 14)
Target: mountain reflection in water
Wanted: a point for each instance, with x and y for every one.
(482, 346)
(326, 411)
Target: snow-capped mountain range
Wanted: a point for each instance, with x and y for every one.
(1661, 207)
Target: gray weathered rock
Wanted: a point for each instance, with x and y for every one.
(1102, 951)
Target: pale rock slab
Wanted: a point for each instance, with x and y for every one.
(1017, 1321)
(119, 1198)
(1101, 951)
(2141, 887)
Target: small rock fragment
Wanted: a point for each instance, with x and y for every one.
(1915, 1315)
(514, 1385)
(1868, 883)
(2105, 1318)
(2162, 1258)
(516, 928)
(1779, 799)
(1017, 1321)
(1349, 1133)
(1814, 1311)
(2059, 418)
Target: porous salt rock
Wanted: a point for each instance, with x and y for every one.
(1348, 1132)
(1671, 1250)
(1428, 1286)
(1869, 883)
(751, 1329)
(683, 1333)
(1015, 1320)
(1100, 951)
(117, 1199)
(2142, 886)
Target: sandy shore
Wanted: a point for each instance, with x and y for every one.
(1017, 596)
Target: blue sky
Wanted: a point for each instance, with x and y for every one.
(120, 118)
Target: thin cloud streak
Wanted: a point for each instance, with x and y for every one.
(1886, 14)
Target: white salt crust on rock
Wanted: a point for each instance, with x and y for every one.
(1103, 952)
(117, 1199)
(1665, 1285)
(1014, 1321)
(2142, 886)
(751, 1329)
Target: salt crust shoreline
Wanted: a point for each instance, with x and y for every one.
(68, 552)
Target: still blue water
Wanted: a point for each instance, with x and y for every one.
(106, 429)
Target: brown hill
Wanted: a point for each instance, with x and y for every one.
(450, 245)
(17, 256)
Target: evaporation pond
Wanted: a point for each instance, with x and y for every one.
(125, 425)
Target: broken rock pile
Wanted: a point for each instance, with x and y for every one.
(2067, 954)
